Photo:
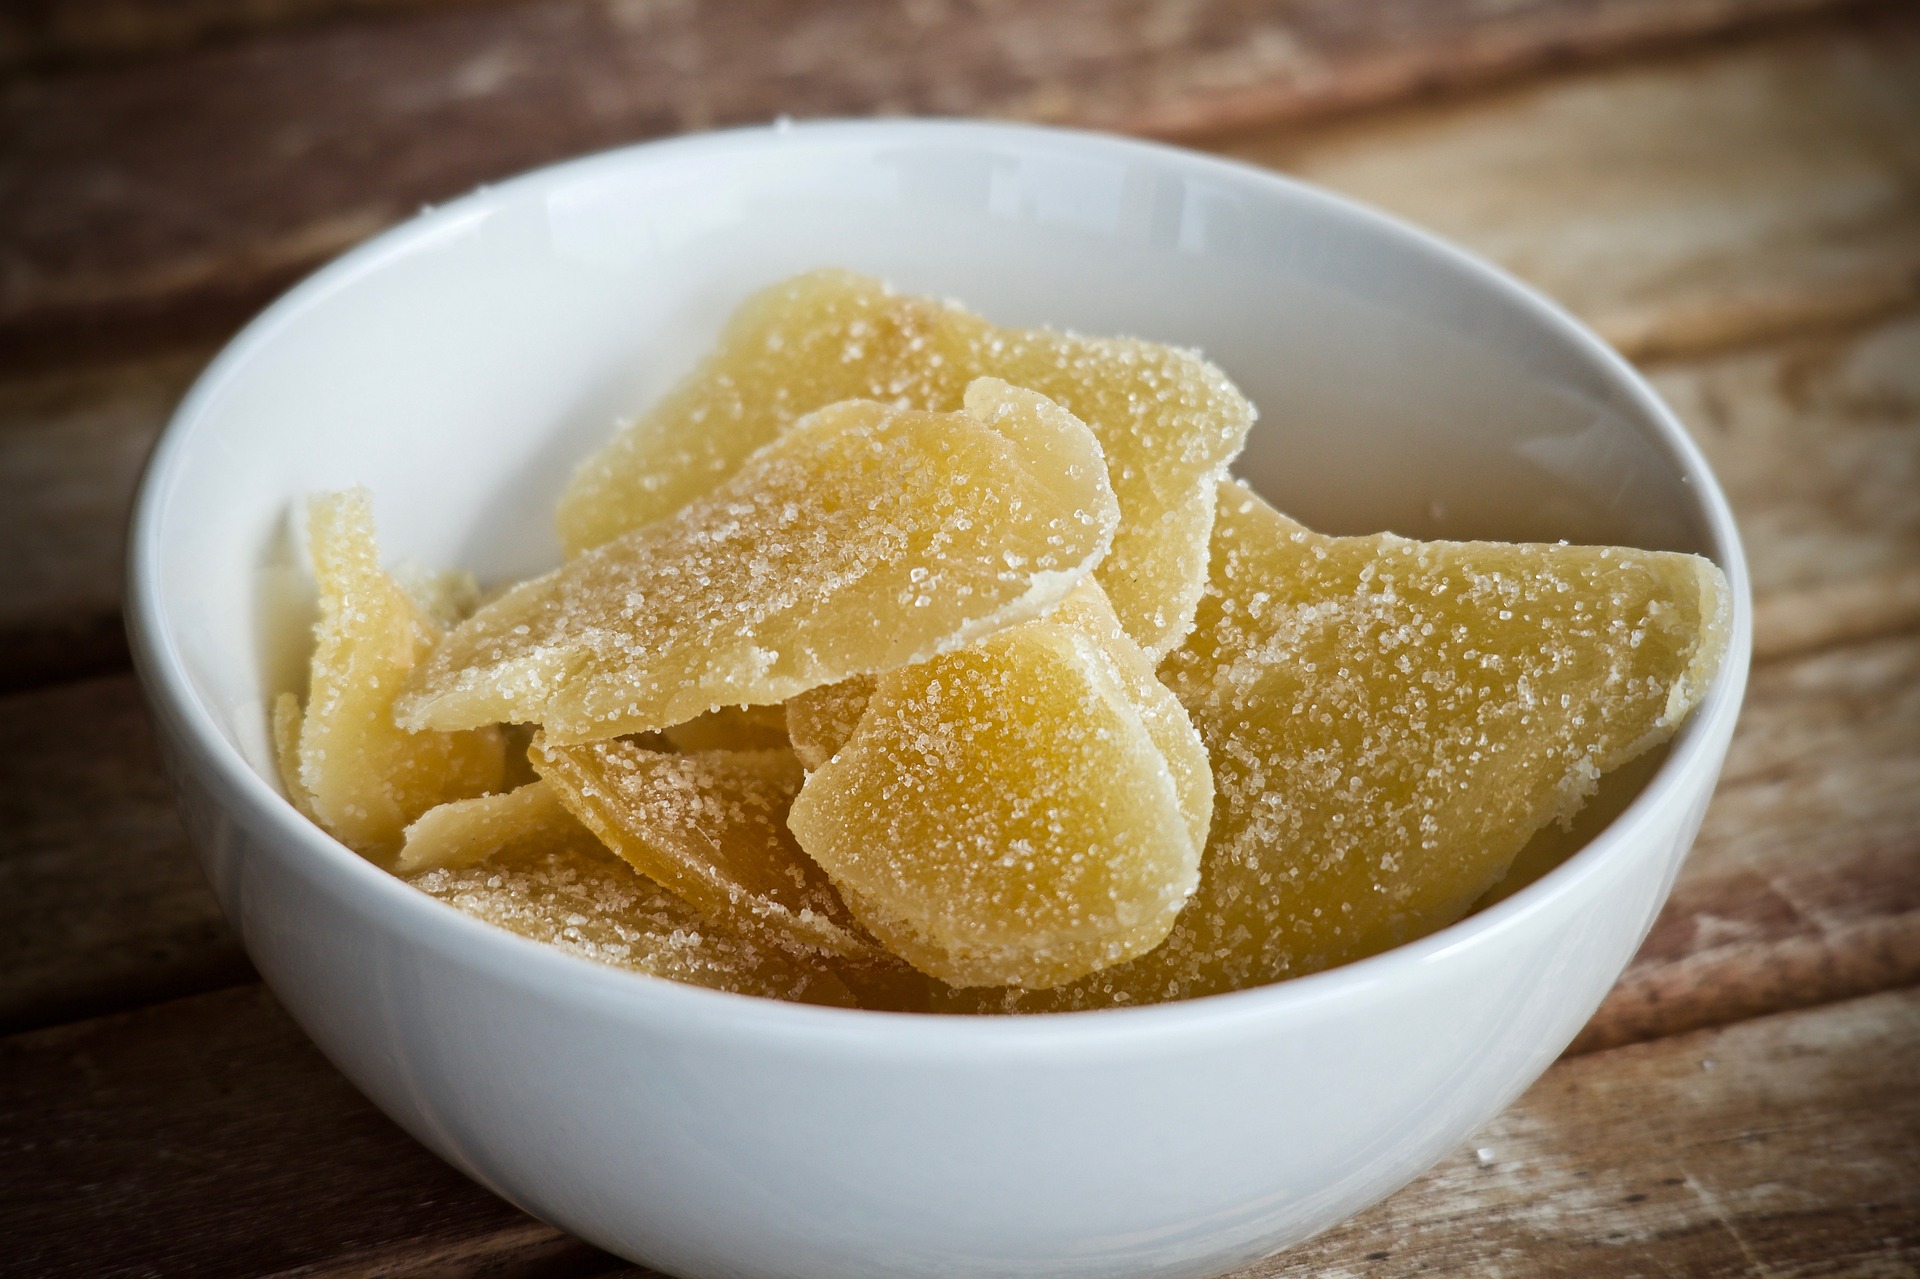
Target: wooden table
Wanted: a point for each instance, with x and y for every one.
(1729, 190)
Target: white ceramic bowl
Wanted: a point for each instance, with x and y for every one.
(460, 364)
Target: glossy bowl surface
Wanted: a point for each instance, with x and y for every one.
(460, 364)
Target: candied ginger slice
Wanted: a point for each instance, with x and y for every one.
(365, 778)
(712, 827)
(732, 728)
(1004, 813)
(820, 720)
(286, 752)
(1169, 421)
(1391, 721)
(466, 831)
(530, 868)
(864, 538)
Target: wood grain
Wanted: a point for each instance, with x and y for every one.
(60, 34)
(102, 906)
(1675, 204)
(1787, 1146)
(1817, 442)
(143, 198)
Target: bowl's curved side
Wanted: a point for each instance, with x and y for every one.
(700, 1143)
(712, 1134)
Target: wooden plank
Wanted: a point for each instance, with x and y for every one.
(142, 198)
(1817, 441)
(71, 447)
(60, 34)
(102, 906)
(1788, 1146)
(208, 1137)
(1677, 204)
(1804, 885)
(218, 1142)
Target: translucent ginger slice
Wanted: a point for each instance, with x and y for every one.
(364, 778)
(521, 862)
(732, 728)
(820, 720)
(864, 538)
(1006, 813)
(467, 831)
(286, 752)
(1168, 421)
(712, 827)
(1390, 721)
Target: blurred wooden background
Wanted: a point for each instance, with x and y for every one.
(1729, 190)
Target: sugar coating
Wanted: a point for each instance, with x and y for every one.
(864, 538)
(286, 752)
(1168, 421)
(820, 720)
(536, 872)
(359, 775)
(467, 831)
(732, 728)
(1390, 721)
(711, 826)
(1005, 813)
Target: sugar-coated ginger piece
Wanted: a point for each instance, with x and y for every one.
(820, 720)
(467, 831)
(362, 777)
(864, 538)
(711, 826)
(521, 862)
(1005, 813)
(1168, 421)
(286, 753)
(1390, 721)
(731, 728)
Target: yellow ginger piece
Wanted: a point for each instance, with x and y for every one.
(521, 862)
(1169, 421)
(1390, 721)
(712, 827)
(820, 720)
(358, 774)
(732, 728)
(862, 539)
(1010, 813)
(467, 831)
(286, 752)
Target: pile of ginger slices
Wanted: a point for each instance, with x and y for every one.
(905, 661)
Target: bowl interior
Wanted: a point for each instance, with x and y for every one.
(460, 366)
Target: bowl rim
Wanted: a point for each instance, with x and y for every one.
(521, 961)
